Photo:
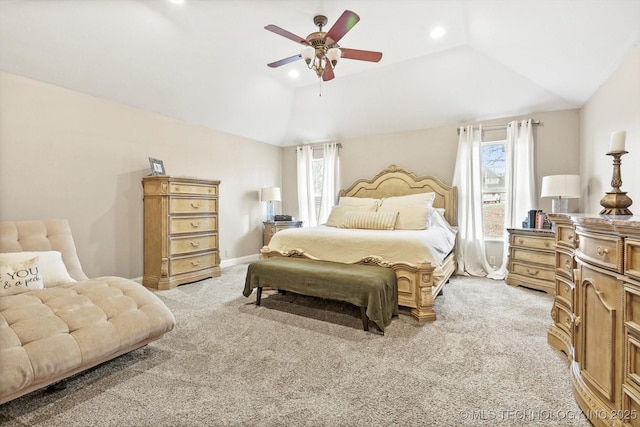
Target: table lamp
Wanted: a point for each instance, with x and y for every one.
(561, 188)
(270, 195)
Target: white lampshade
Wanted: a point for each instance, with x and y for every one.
(334, 54)
(564, 186)
(308, 52)
(270, 194)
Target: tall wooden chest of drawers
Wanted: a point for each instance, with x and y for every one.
(180, 230)
(531, 259)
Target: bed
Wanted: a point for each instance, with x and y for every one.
(421, 272)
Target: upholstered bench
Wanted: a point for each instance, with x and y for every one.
(370, 287)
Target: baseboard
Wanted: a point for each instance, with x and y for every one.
(242, 260)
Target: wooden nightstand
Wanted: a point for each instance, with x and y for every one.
(532, 259)
(272, 227)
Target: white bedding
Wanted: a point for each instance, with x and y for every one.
(351, 245)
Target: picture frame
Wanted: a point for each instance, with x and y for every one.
(157, 167)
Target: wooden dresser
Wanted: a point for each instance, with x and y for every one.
(180, 230)
(272, 227)
(531, 260)
(597, 320)
(560, 334)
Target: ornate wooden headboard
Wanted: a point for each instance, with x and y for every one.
(395, 181)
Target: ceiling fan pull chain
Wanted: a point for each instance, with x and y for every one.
(320, 88)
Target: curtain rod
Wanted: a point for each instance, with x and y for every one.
(504, 126)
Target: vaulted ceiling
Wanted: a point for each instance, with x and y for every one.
(204, 61)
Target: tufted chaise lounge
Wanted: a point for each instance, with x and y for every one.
(49, 334)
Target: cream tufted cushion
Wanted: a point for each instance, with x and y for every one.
(47, 333)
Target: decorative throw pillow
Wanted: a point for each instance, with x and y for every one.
(409, 217)
(369, 220)
(52, 268)
(419, 199)
(19, 277)
(337, 213)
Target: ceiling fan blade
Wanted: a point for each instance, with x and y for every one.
(361, 55)
(346, 22)
(285, 61)
(328, 72)
(284, 33)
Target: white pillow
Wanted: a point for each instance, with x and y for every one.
(369, 220)
(419, 199)
(18, 277)
(438, 220)
(359, 201)
(52, 269)
(337, 212)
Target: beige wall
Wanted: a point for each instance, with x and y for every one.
(433, 151)
(64, 154)
(615, 106)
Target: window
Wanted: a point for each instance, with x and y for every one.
(318, 173)
(493, 161)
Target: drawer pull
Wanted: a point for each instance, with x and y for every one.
(602, 251)
(533, 272)
(570, 237)
(195, 224)
(547, 244)
(577, 321)
(567, 265)
(566, 289)
(195, 205)
(195, 244)
(520, 241)
(195, 263)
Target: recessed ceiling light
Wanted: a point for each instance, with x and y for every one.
(437, 32)
(177, 1)
(294, 74)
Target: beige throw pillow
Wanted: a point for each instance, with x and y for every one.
(337, 212)
(359, 201)
(409, 217)
(19, 277)
(369, 220)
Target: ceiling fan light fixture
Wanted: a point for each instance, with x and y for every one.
(321, 51)
(333, 55)
(308, 53)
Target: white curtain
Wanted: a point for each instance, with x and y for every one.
(470, 247)
(306, 202)
(330, 181)
(520, 185)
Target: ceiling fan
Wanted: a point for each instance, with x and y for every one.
(321, 50)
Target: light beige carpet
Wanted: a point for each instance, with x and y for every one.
(298, 361)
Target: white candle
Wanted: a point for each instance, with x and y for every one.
(617, 141)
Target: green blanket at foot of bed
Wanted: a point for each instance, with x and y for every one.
(368, 286)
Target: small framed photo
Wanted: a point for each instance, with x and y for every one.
(157, 167)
